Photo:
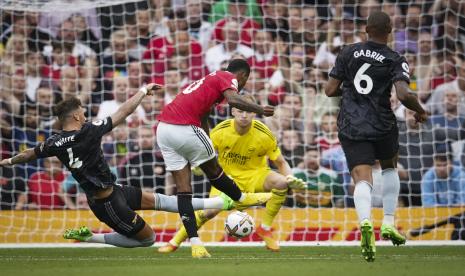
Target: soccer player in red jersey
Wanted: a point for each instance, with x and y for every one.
(182, 135)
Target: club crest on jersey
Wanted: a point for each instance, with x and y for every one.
(99, 122)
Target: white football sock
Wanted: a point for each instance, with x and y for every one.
(391, 188)
(362, 200)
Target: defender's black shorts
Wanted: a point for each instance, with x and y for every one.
(365, 152)
(117, 210)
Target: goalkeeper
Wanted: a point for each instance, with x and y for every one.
(243, 145)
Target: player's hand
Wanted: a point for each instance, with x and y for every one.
(5, 162)
(421, 117)
(268, 110)
(295, 183)
(153, 88)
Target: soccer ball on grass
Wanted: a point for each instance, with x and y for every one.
(239, 225)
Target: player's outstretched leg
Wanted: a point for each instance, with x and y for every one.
(223, 183)
(83, 234)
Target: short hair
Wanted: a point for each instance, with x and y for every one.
(238, 65)
(65, 107)
(379, 23)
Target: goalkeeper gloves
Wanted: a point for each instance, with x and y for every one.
(295, 183)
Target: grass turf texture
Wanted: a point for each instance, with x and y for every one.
(424, 260)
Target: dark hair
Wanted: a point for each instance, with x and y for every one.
(65, 107)
(238, 65)
(379, 23)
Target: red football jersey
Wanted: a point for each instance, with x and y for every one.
(197, 99)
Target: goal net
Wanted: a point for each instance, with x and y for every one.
(103, 51)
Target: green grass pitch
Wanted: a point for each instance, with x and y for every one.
(344, 261)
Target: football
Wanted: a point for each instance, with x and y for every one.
(239, 225)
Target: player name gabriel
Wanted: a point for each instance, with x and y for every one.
(370, 54)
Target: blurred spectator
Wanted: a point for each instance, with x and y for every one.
(335, 159)
(326, 54)
(328, 134)
(45, 101)
(407, 39)
(12, 187)
(178, 43)
(224, 51)
(450, 119)
(416, 149)
(436, 101)
(295, 23)
(311, 39)
(152, 107)
(424, 57)
(412, 65)
(14, 90)
(394, 11)
(292, 147)
(44, 187)
(84, 34)
(53, 20)
(274, 18)
(323, 186)
(366, 7)
(136, 76)
(68, 37)
(172, 85)
(25, 24)
(198, 28)
(237, 12)
(135, 49)
(34, 73)
(145, 169)
(143, 26)
(120, 95)
(444, 183)
(70, 86)
(116, 58)
(15, 50)
(60, 57)
(265, 60)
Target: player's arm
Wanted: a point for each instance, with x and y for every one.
(282, 165)
(130, 105)
(204, 123)
(242, 103)
(24, 157)
(410, 101)
(284, 169)
(333, 87)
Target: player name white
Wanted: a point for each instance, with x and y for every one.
(64, 140)
(369, 54)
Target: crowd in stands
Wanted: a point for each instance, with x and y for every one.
(103, 55)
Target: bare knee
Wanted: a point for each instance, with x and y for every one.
(362, 173)
(146, 236)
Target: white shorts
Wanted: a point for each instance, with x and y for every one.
(183, 144)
